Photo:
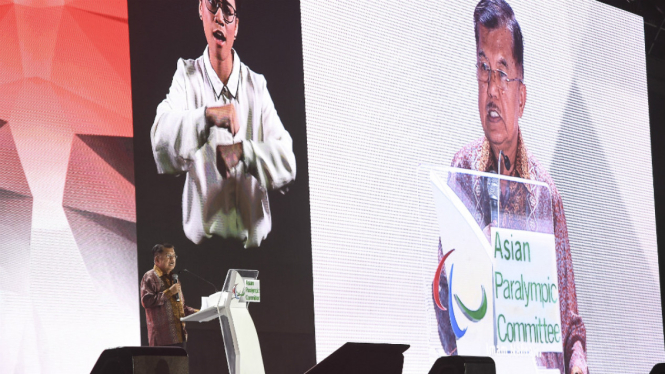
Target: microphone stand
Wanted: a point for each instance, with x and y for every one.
(201, 278)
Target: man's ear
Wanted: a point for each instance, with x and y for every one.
(522, 98)
(200, 9)
(235, 36)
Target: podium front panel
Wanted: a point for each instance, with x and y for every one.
(493, 279)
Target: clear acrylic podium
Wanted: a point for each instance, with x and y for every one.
(241, 343)
(490, 243)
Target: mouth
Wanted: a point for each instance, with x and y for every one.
(493, 114)
(219, 36)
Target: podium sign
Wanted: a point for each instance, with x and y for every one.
(526, 297)
(497, 258)
(250, 291)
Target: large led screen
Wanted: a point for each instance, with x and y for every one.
(393, 89)
(68, 264)
(256, 216)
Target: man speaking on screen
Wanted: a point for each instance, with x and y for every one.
(502, 97)
(218, 124)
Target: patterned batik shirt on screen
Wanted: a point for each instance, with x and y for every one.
(163, 313)
(522, 209)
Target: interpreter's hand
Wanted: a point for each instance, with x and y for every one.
(576, 370)
(228, 156)
(223, 116)
(173, 290)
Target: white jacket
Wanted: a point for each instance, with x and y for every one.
(235, 207)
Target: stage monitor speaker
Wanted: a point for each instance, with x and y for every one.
(365, 358)
(658, 369)
(463, 365)
(142, 360)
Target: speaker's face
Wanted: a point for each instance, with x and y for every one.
(501, 95)
(166, 260)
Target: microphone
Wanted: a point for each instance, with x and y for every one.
(175, 280)
(493, 192)
(506, 161)
(201, 278)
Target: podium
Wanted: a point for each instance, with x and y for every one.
(493, 282)
(230, 307)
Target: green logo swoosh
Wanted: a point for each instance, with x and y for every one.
(474, 315)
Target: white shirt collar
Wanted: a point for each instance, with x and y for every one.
(234, 78)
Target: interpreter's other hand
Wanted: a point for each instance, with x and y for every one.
(576, 370)
(173, 289)
(228, 156)
(223, 116)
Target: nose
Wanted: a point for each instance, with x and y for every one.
(219, 16)
(493, 87)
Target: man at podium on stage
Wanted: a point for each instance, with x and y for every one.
(501, 101)
(163, 300)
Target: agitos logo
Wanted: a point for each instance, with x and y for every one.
(237, 295)
(472, 315)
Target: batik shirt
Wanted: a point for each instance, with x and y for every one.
(162, 313)
(522, 208)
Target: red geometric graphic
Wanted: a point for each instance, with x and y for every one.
(15, 216)
(67, 196)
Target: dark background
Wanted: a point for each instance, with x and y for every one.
(270, 43)
(656, 84)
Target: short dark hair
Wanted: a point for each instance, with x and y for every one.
(493, 14)
(159, 248)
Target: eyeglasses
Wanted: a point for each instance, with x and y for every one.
(228, 11)
(171, 257)
(484, 74)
